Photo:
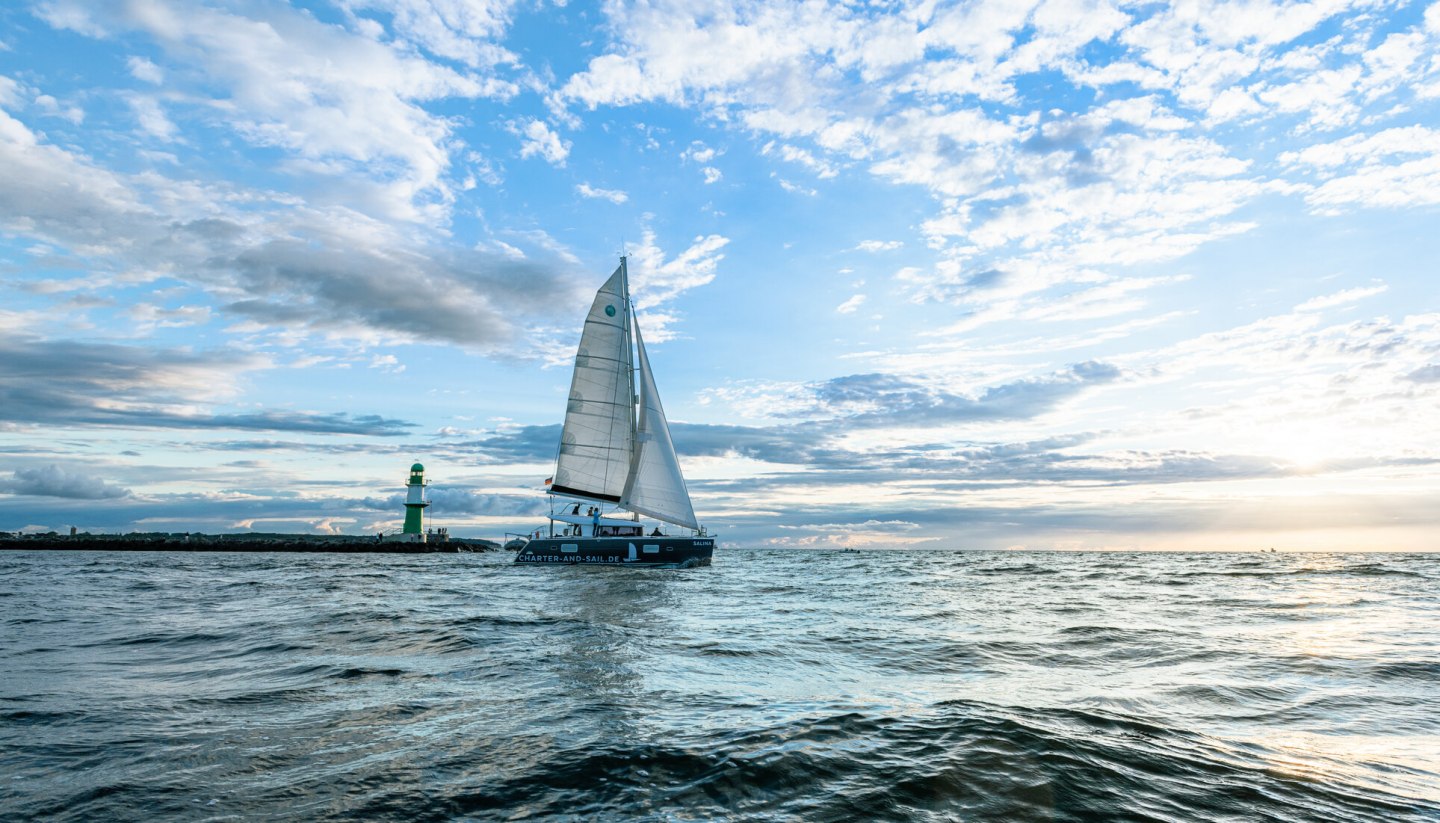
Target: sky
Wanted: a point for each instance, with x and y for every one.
(1070, 274)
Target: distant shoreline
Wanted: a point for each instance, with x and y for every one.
(250, 543)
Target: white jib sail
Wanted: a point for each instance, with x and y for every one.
(656, 487)
(596, 444)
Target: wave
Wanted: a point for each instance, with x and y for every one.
(961, 761)
(767, 687)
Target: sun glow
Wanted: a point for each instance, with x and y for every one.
(1304, 444)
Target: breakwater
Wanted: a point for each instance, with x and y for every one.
(242, 542)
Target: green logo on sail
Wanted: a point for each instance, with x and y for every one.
(609, 311)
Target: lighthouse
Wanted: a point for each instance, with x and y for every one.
(415, 503)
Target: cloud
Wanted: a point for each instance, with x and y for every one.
(796, 188)
(1108, 297)
(1297, 343)
(371, 447)
(1340, 298)
(794, 154)
(613, 195)
(1064, 150)
(868, 525)
(1018, 470)
(54, 195)
(9, 92)
(52, 107)
(153, 120)
(279, 77)
(388, 363)
(53, 481)
(65, 383)
(1366, 148)
(1055, 193)
(698, 152)
(793, 444)
(879, 245)
(143, 69)
(788, 443)
(523, 444)
(655, 280)
(869, 533)
(1425, 374)
(538, 139)
(463, 31)
(331, 272)
(148, 317)
(817, 423)
(346, 284)
(1139, 200)
(452, 501)
(890, 400)
(1392, 168)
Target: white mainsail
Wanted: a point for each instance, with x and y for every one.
(656, 486)
(604, 454)
(598, 438)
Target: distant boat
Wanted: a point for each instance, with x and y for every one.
(615, 453)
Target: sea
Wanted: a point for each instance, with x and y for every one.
(775, 685)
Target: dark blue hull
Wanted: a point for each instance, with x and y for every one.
(664, 552)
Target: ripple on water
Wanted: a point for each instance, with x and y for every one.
(771, 686)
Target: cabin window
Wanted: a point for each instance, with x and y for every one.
(569, 547)
(651, 548)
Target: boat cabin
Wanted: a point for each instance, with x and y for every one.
(592, 524)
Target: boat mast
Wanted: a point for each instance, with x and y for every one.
(634, 364)
(629, 348)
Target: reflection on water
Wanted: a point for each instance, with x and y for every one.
(608, 624)
(1408, 761)
(772, 685)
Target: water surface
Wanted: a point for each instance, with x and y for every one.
(770, 686)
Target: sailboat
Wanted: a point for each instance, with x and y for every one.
(616, 460)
